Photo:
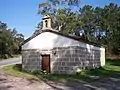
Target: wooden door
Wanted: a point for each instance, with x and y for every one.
(46, 63)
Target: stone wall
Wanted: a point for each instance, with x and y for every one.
(67, 60)
(31, 60)
(64, 60)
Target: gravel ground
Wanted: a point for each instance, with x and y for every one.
(8, 82)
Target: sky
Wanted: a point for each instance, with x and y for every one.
(22, 14)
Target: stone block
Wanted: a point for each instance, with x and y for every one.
(56, 72)
(76, 59)
(62, 72)
(58, 59)
(54, 68)
(60, 68)
(74, 55)
(67, 52)
(38, 67)
(65, 59)
(67, 55)
(71, 59)
(63, 63)
(57, 63)
(72, 63)
(65, 68)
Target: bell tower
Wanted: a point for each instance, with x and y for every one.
(46, 22)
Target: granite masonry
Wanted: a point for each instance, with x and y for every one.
(63, 60)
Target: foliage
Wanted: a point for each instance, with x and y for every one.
(52, 6)
(100, 25)
(10, 40)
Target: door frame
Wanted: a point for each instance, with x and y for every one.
(49, 62)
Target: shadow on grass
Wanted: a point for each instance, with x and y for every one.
(102, 72)
(18, 67)
(115, 62)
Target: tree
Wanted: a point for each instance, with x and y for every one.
(99, 25)
(51, 6)
(110, 18)
(10, 44)
(60, 15)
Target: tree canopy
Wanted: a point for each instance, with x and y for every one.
(10, 40)
(100, 25)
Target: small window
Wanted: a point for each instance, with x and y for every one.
(46, 23)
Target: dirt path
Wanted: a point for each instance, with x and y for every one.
(8, 82)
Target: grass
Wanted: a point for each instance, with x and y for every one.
(111, 69)
(16, 70)
(15, 55)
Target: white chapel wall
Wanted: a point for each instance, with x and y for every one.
(49, 40)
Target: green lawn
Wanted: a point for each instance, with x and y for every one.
(111, 69)
(16, 70)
